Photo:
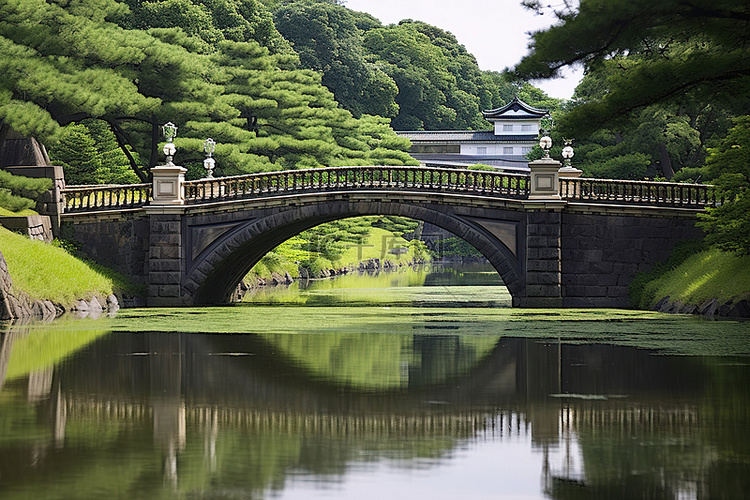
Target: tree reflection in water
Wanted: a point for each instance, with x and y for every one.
(155, 415)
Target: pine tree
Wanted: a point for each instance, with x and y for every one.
(662, 50)
(77, 153)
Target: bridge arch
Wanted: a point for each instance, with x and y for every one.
(212, 277)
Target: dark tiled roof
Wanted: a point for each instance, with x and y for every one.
(515, 109)
(463, 136)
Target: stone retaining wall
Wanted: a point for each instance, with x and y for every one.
(36, 227)
(601, 253)
(120, 242)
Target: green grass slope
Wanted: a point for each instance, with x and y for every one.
(699, 277)
(49, 272)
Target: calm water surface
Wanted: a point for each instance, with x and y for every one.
(407, 385)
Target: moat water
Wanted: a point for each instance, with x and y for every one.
(416, 384)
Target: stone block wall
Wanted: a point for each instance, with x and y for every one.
(543, 260)
(165, 265)
(121, 243)
(36, 227)
(602, 253)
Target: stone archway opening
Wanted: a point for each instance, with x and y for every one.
(406, 261)
(213, 279)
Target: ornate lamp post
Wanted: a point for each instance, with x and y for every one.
(209, 146)
(545, 184)
(170, 132)
(567, 152)
(168, 190)
(568, 169)
(545, 142)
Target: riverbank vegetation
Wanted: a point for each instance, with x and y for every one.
(342, 245)
(694, 274)
(50, 272)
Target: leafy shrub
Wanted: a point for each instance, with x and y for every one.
(25, 187)
(14, 203)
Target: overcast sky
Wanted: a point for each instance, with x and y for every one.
(495, 31)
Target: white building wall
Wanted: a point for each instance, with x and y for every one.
(496, 149)
(516, 127)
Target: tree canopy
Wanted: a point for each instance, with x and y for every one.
(656, 50)
(328, 39)
(728, 225)
(412, 72)
(439, 83)
(67, 62)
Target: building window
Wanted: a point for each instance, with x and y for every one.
(481, 150)
(507, 128)
(507, 150)
(527, 127)
(526, 150)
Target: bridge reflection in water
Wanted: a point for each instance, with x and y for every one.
(200, 413)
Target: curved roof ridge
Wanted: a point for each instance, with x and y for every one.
(515, 105)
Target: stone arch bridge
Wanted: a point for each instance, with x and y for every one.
(555, 241)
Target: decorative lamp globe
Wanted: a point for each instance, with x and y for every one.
(170, 132)
(209, 146)
(545, 142)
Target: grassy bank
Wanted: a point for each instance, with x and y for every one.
(49, 272)
(693, 276)
(4, 212)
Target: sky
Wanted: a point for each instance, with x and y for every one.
(495, 31)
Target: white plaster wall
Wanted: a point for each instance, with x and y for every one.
(518, 128)
(495, 149)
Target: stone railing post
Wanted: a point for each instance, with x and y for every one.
(165, 259)
(168, 185)
(545, 179)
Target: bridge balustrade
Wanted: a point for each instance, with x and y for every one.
(646, 193)
(425, 179)
(358, 178)
(106, 197)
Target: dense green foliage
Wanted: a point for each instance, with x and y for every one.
(659, 95)
(418, 74)
(328, 40)
(399, 226)
(661, 51)
(19, 193)
(425, 62)
(669, 139)
(245, 94)
(659, 89)
(212, 21)
(728, 225)
(456, 247)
